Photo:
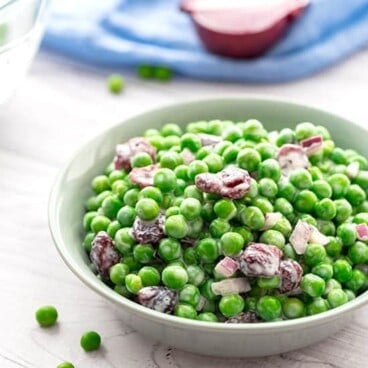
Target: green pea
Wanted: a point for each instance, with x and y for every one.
(312, 285)
(230, 154)
(131, 197)
(218, 227)
(327, 228)
(285, 136)
(87, 219)
(181, 172)
(118, 273)
(289, 252)
(231, 243)
(357, 281)
(245, 233)
(286, 190)
(207, 317)
(151, 193)
(147, 209)
(124, 240)
(314, 254)
(301, 179)
(222, 146)
(305, 201)
(269, 308)
(347, 233)
(46, 316)
(174, 277)
(339, 184)
(132, 264)
(171, 129)
(176, 226)
(232, 134)
(141, 159)
(149, 275)
(358, 253)
(337, 297)
(231, 305)
(250, 303)
(189, 257)
(330, 285)
(293, 308)
(190, 208)
(207, 250)
(204, 152)
(316, 174)
(267, 187)
(325, 209)
(100, 223)
(100, 184)
(283, 206)
(126, 216)
(266, 150)
(90, 341)
(185, 311)
(338, 156)
(253, 190)
(305, 130)
(323, 270)
(169, 249)
(350, 294)
(362, 179)
(215, 162)
(225, 208)
(248, 159)
(133, 283)
(307, 218)
(165, 180)
(65, 365)
(283, 226)
(342, 270)
(361, 218)
(253, 218)
(113, 228)
(190, 141)
(318, 305)
(143, 253)
(196, 275)
(343, 210)
(355, 195)
(87, 241)
(253, 130)
(191, 191)
(270, 168)
(190, 295)
(273, 237)
(206, 290)
(119, 188)
(269, 282)
(263, 204)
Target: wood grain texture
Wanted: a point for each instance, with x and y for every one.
(61, 105)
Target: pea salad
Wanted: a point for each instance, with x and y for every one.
(226, 222)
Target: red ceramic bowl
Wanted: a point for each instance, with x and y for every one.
(242, 28)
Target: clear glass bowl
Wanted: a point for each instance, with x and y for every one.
(21, 28)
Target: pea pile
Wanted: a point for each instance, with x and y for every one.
(227, 222)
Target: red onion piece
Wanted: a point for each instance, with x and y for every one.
(227, 267)
(362, 231)
(300, 236)
(292, 157)
(312, 145)
(271, 219)
(231, 286)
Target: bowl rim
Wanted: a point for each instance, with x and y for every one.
(103, 290)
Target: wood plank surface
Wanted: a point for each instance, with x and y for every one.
(59, 106)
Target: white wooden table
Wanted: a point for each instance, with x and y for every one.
(59, 106)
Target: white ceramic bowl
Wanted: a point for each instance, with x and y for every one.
(226, 340)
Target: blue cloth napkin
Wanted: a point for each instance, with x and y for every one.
(130, 32)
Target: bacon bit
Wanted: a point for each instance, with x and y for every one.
(209, 139)
(231, 286)
(244, 317)
(271, 219)
(292, 157)
(312, 145)
(231, 182)
(291, 275)
(352, 170)
(300, 236)
(317, 237)
(362, 231)
(227, 267)
(260, 260)
(143, 176)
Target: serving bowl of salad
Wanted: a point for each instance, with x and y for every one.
(227, 227)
